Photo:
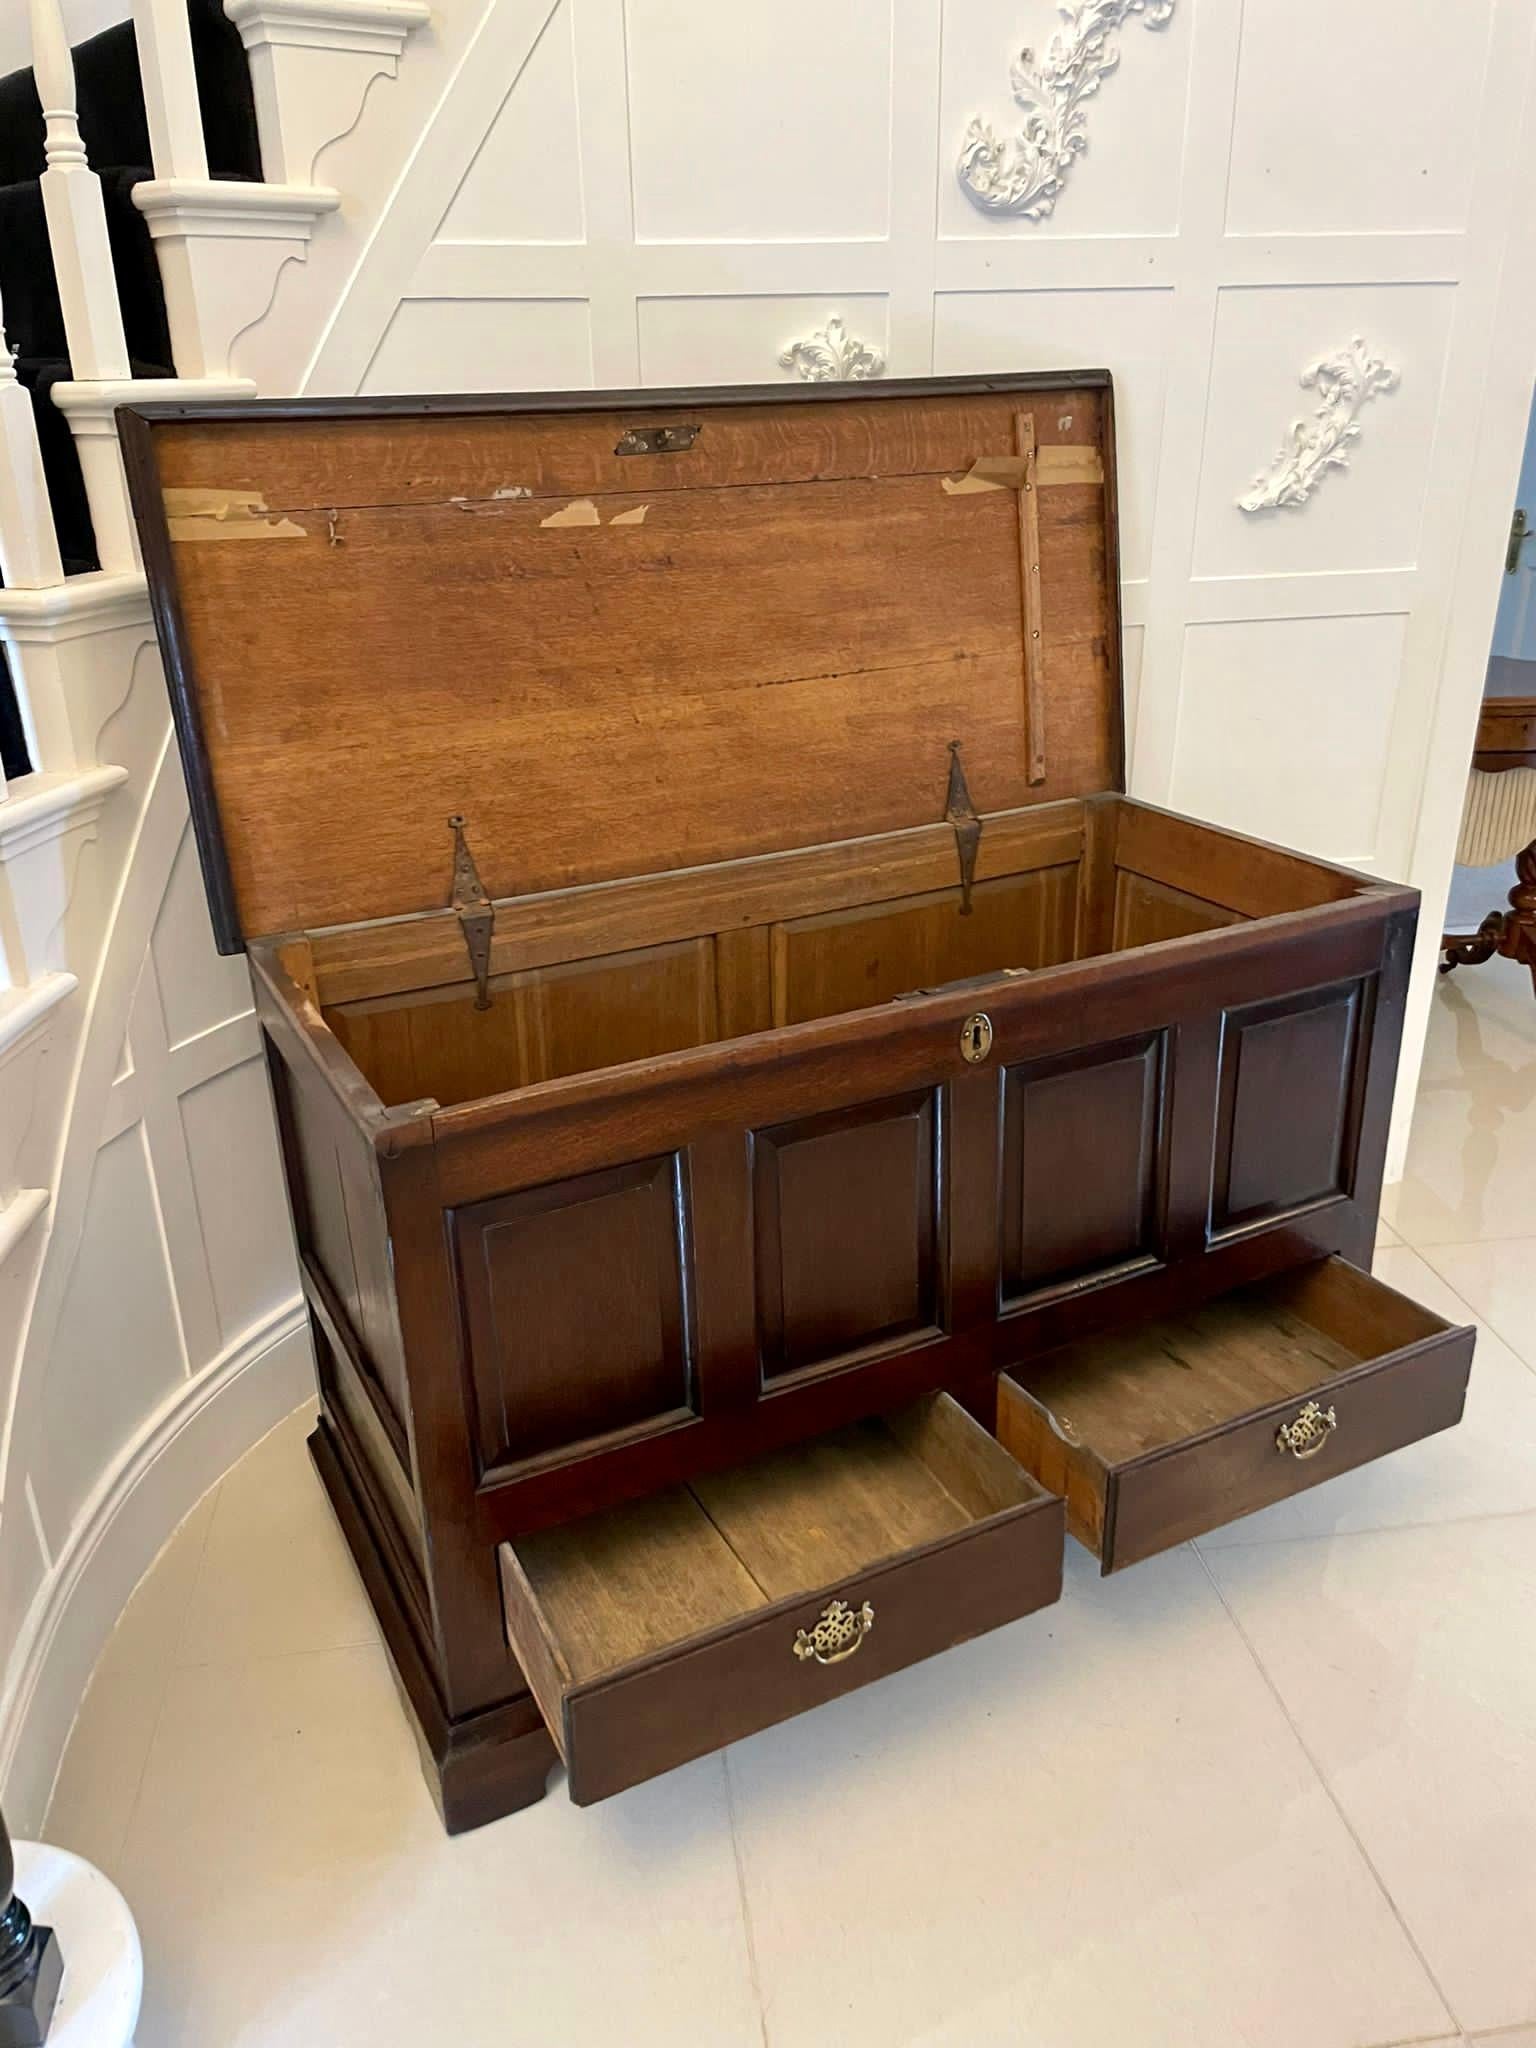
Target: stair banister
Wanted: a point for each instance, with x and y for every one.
(82, 261)
(163, 33)
(29, 548)
(77, 219)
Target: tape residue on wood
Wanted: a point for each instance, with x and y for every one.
(1070, 463)
(580, 512)
(226, 515)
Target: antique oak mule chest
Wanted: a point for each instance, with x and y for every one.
(773, 1134)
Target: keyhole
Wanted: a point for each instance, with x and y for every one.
(976, 1037)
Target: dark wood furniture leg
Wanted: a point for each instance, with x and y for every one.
(1506, 738)
(1511, 933)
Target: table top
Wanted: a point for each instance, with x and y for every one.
(1506, 730)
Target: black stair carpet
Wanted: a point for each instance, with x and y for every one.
(116, 137)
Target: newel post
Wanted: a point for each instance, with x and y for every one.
(30, 1963)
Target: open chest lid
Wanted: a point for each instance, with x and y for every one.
(620, 634)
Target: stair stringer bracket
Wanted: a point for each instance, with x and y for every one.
(221, 245)
(312, 62)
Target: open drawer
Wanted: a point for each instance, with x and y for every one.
(655, 1632)
(1161, 1432)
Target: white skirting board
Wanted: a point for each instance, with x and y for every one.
(183, 1450)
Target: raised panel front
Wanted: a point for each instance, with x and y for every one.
(846, 1226)
(1287, 1105)
(574, 1306)
(1080, 1164)
(343, 1237)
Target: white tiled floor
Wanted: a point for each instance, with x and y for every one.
(1274, 1790)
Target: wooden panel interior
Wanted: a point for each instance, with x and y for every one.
(848, 959)
(718, 953)
(574, 1299)
(1135, 1391)
(569, 1017)
(1146, 910)
(557, 1020)
(1172, 877)
(633, 1580)
(627, 665)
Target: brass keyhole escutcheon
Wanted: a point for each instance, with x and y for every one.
(976, 1037)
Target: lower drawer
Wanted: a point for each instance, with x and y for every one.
(1162, 1432)
(652, 1633)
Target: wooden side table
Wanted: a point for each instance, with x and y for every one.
(1506, 739)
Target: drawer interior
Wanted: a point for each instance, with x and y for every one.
(626, 1584)
(1132, 1392)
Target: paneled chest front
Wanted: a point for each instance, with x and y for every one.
(773, 1134)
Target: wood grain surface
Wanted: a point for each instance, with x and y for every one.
(618, 665)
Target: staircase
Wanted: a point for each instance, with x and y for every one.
(153, 182)
(114, 129)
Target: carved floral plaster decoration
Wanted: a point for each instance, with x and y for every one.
(1345, 382)
(832, 356)
(1025, 176)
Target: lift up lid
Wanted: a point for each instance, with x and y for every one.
(618, 635)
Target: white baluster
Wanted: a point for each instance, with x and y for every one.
(29, 550)
(77, 220)
(164, 38)
(82, 262)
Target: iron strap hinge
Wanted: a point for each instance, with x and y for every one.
(477, 918)
(960, 813)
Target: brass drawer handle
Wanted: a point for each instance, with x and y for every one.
(1307, 1432)
(839, 1631)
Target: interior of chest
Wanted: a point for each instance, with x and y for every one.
(608, 977)
(762, 714)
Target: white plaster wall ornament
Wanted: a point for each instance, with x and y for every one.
(1025, 176)
(1345, 381)
(832, 356)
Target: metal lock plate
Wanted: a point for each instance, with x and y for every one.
(656, 440)
(976, 1037)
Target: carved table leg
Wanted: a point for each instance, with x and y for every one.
(1510, 933)
(1520, 919)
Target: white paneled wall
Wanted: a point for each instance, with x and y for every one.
(669, 191)
(157, 1299)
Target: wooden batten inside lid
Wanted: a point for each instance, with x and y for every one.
(620, 635)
